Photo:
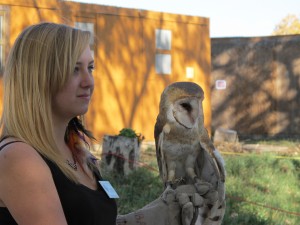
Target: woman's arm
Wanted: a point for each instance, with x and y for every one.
(27, 188)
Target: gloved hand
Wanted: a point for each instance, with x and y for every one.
(178, 207)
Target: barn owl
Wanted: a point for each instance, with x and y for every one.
(185, 153)
(184, 150)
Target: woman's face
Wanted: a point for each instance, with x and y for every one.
(74, 98)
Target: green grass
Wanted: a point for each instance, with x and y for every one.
(135, 190)
(257, 188)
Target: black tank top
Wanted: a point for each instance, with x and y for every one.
(81, 204)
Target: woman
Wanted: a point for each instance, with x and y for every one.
(47, 176)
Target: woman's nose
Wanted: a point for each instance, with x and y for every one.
(87, 79)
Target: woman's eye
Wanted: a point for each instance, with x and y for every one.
(76, 70)
(91, 68)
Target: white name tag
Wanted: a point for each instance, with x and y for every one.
(110, 191)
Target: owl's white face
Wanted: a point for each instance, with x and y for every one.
(187, 111)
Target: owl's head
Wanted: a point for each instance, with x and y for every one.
(182, 103)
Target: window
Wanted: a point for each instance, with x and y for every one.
(163, 63)
(88, 27)
(163, 39)
(163, 57)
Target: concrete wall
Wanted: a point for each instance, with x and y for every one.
(262, 95)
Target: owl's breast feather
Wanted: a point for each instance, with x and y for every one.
(175, 150)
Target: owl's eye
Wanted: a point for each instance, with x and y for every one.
(186, 106)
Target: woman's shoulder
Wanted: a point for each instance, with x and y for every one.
(24, 180)
(17, 155)
(14, 149)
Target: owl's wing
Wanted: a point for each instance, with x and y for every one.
(207, 144)
(207, 170)
(159, 136)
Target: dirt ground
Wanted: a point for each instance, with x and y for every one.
(240, 147)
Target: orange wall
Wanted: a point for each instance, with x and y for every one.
(127, 88)
(20, 14)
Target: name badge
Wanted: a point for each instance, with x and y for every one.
(110, 191)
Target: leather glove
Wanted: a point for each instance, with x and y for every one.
(177, 207)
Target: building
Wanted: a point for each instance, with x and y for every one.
(137, 54)
(255, 86)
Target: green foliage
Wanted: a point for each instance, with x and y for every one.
(128, 132)
(288, 25)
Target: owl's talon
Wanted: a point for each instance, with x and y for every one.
(178, 181)
(196, 180)
(166, 194)
(202, 187)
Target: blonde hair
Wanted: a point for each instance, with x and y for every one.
(40, 62)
